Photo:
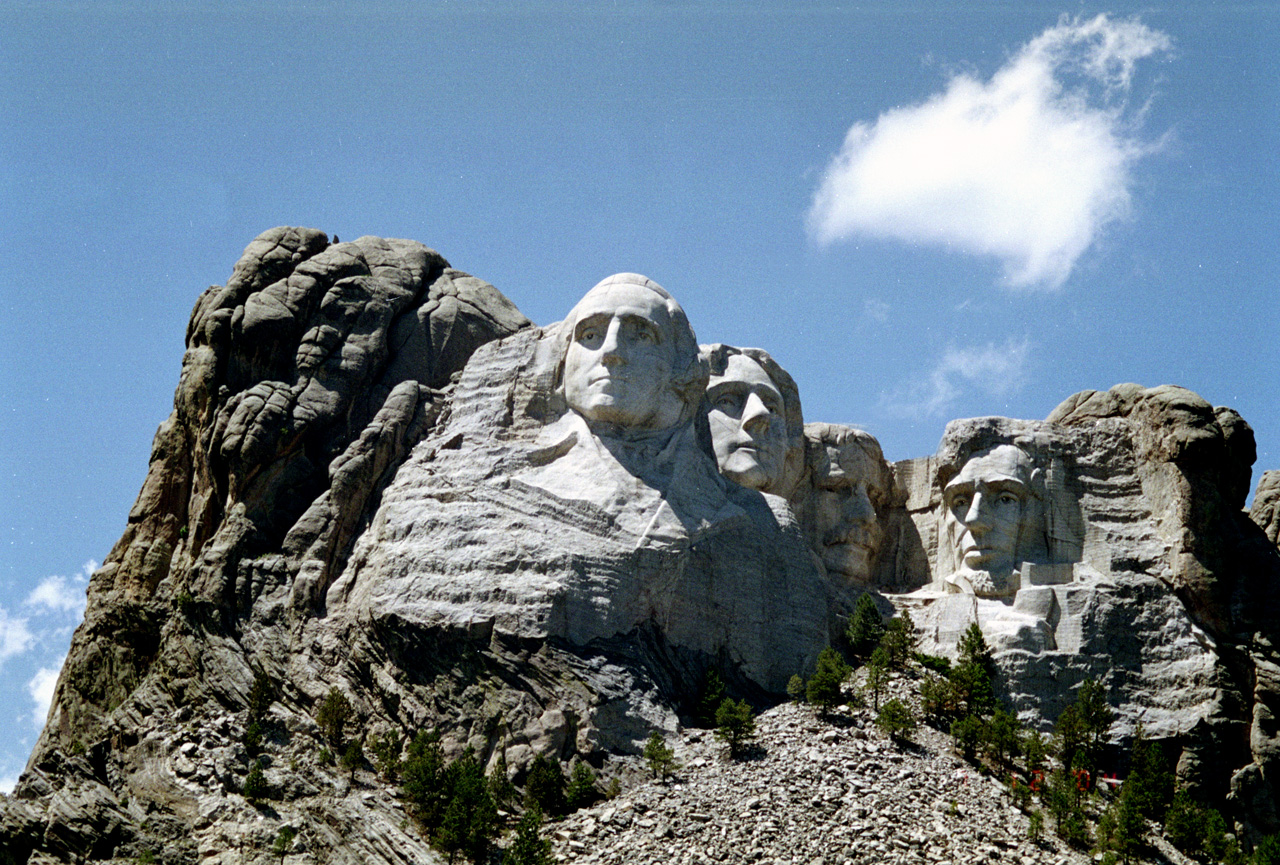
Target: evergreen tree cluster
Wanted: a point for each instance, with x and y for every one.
(733, 721)
(456, 805)
(961, 699)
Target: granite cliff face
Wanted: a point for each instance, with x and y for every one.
(380, 477)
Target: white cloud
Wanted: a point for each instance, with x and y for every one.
(995, 370)
(1027, 167)
(7, 783)
(41, 690)
(59, 594)
(15, 636)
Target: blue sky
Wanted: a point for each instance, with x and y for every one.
(924, 212)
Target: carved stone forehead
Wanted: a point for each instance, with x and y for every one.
(1007, 463)
(840, 453)
(742, 368)
(625, 288)
(851, 461)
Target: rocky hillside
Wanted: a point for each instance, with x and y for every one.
(375, 485)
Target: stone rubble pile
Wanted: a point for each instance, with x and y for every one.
(814, 792)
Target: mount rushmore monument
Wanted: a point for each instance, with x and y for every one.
(379, 477)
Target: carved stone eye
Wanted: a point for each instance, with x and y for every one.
(726, 402)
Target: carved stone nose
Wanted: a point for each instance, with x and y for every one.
(858, 507)
(755, 414)
(976, 516)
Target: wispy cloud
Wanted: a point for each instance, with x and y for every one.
(15, 636)
(41, 690)
(875, 310)
(994, 370)
(58, 594)
(1027, 167)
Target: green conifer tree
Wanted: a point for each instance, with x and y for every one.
(660, 757)
(582, 791)
(710, 698)
(333, 715)
(896, 720)
(877, 675)
(866, 627)
(529, 847)
(823, 689)
(899, 640)
(735, 724)
(545, 786)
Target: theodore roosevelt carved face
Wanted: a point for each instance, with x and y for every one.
(851, 484)
(630, 362)
(984, 511)
(753, 413)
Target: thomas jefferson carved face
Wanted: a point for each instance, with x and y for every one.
(620, 361)
(747, 418)
(850, 486)
(984, 510)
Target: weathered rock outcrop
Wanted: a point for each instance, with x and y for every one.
(1265, 510)
(306, 381)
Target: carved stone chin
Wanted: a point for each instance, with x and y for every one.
(984, 584)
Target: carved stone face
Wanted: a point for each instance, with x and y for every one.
(618, 366)
(846, 498)
(984, 510)
(747, 417)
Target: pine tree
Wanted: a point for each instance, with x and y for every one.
(1150, 781)
(735, 724)
(1034, 751)
(796, 688)
(1002, 735)
(973, 648)
(899, 640)
(422, 778)
(866, 627)
(545, 786)
(581, 791)
(1082, 728)
(333, 715)
(710, 698)
(877, 675)
(470, 818)
(896, 720)
(660, 757)
(255, 784)
(823, 689)
(528, 847)
(352, 757)
(386, 748)
(968, 732)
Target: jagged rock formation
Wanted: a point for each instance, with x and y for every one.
(377, 479)
(306, 380)
(1265, 510)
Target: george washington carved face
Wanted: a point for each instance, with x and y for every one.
(626, 363)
